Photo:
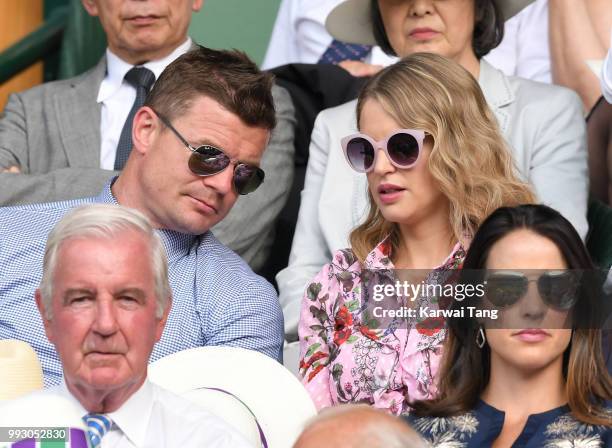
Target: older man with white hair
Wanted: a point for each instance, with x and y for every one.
(104, 299)
(358, 426)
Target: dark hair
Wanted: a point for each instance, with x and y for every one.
(465, 367)
(488, 28)
(227, 76)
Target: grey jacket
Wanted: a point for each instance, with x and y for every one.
(52, 133)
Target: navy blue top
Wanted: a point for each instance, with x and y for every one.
(480, 428)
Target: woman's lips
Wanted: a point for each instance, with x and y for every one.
(389, 193)
(423, 34)
(531, 335)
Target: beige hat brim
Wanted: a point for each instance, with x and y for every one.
(20, 370)
(351, 22)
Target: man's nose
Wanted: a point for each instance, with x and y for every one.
(221, 182)
(105, 319)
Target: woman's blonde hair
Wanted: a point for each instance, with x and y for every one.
(469, 160)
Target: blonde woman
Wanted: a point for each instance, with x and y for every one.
(436, 166)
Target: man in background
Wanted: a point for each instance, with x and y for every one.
(358, 426)
(65, 139)
(197, 145)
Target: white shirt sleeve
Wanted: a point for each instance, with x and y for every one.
(282, 46)
(524, 50)
(606, 75)
(299, 35)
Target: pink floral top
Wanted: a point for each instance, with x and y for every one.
(345, 358)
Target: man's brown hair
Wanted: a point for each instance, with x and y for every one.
(227, 76)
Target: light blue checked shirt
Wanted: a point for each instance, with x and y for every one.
(217, 299)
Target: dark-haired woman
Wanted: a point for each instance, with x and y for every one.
(525, 385)
(543, 125)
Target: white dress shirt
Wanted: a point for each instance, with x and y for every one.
(606, 76)
(151, 418)
(524, 51)
(117, 97)
(299, 35)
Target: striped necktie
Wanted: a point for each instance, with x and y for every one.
(97, 426)
(142, 79)
(341, 51)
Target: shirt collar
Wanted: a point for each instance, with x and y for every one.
(132, 418)
(380, 257)
(134, 415)
(495, 85)
(177, 244)
(116, 68)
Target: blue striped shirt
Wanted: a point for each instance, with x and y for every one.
(217, 299)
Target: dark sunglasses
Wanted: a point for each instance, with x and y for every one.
(558, 289)
(403, 148)
(207, 160)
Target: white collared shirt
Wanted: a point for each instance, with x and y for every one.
(151, 418)
(606, 76)
(524, 50)
(156, 418)
(117, 97)
(299, 35)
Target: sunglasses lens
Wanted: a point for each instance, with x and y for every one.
(208, 160)
(559, 289)
(403, 149)
(247, 178)
(504, 289)
(360, 153)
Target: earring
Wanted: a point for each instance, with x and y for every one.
(481, 340)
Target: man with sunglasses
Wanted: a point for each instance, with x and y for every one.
(197, 145)
(64, 139)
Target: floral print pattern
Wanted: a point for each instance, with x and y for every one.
(347, 355)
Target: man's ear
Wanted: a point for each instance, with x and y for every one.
(43, 314)
(197, 5)
(145, 128)
(91, 7)
(162, 322)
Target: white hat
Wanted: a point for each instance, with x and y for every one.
(275, 397)
(45, 409)
(20, 371)
(351, 22)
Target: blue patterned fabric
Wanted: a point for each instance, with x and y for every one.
(217, 299)
(480, 428)
(97, 426)
(339, 51)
